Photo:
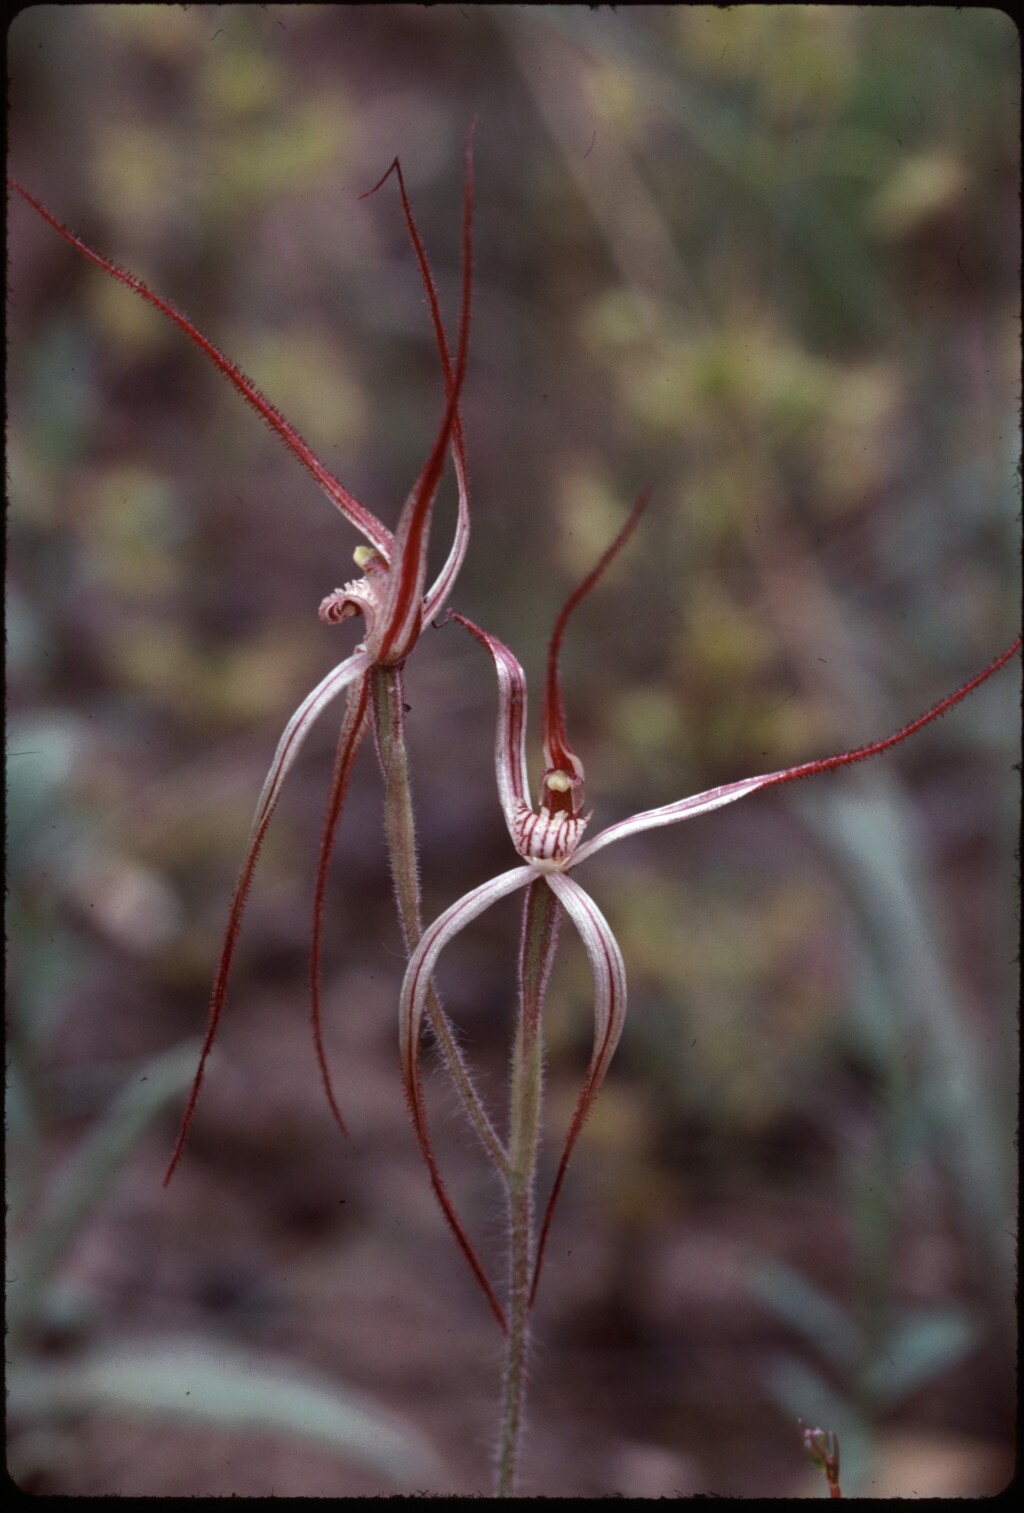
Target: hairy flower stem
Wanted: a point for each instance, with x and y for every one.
(400, 833)
(541, 919)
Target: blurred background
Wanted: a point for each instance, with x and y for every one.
(764, 259)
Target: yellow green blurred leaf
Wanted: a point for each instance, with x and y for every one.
(132, 531)
(140, 174)
(591, 514)
(311, 383)
(258, 162)
(241, 81)
(918, 188)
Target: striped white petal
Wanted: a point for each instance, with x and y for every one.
(410, 1021)
(297, 729)
(609, 1015)
(510, 740)
(546, 837)
(668, 814)
(714, 798)
(438, 595)
(288, 748)
(432, 942)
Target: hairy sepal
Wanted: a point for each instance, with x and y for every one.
(353, 731)
(404, 610)
(288, 748)
(410, 1017)
(715, 798)
(438, 594)
(360, 517)
(609, 975)
(558, 754)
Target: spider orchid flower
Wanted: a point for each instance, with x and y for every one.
(550, 844)
(390, 595)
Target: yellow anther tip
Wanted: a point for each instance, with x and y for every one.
(559, 782)
(362, 555)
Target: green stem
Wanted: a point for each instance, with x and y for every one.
(400, 831)
(541, 919)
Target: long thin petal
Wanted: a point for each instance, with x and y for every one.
(438, 594)
(669, 814)
(510, 742)
(288, 748)
(410, 1017)
(557, 751)
(403, 612)
(437, 597)
(715, 798)
(353, 730)
(609, 1015)
(399, 825)
(361, 518)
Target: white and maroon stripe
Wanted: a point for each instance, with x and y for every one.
(609, 1015)
(510, 740)
(288, 748)
(362, 597)
(296, 730)
(546, 837)
(341, 605)
(412, 1001)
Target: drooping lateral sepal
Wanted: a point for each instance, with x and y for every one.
(412, 1001)
(609, 975)
(288, 748)
(353, 731)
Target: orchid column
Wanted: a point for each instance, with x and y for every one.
(549, 842)
(392, 598)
